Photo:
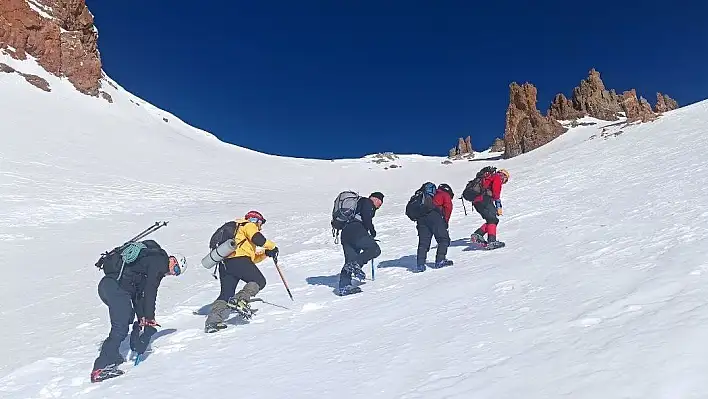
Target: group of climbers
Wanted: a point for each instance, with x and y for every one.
(130, 291)
(430, 208)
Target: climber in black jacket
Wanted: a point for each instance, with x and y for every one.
(358, 242)
(128, 294)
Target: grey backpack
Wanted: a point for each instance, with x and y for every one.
(344, 211)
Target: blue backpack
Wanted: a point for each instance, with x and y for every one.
(421, 203)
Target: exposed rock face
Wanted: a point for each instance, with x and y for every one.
(526, 129)
(498, 145)
(636, 108)
(664, 103)
(37, 81)
(562, 109)
(34, 80)
(591, 98)
(60, 34)
(6, 68)
(463, 148)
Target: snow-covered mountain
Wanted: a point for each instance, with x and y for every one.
(600, 293)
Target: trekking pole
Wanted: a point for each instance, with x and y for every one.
(373, 276)
(269, 303)
(275, 260)
(142, 234)
(148, 231)
(463, 205)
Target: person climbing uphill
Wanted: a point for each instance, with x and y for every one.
(435, 224)
(241, 266)
(488, 205)
(129, 292)
(358, 242)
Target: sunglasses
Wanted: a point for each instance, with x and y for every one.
(256, 220)
(176, 270)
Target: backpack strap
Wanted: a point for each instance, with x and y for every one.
(237, 247)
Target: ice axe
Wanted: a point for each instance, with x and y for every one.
(373, 273)
(275, 260)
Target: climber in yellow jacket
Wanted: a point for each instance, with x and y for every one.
(241, 266)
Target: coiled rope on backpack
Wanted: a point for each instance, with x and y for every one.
(130, 254)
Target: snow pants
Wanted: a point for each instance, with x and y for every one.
(429, 226)
(488, 211)
(231, 271)
(359, 247)
(120, 311)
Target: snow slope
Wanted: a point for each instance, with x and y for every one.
(600, 292)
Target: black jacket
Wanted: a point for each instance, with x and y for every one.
(142, 278)
(366, 210)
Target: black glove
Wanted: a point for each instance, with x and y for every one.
(135, 335)
(144, 339)
(272, 253)
(373, 233)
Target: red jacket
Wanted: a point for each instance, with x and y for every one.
(442, 200)
(492, 186)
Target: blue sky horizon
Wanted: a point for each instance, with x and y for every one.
(323, 80)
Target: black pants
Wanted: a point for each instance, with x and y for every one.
(233, 270)
(487, 210)
(429, 226)
(358, 247)
(120, 311)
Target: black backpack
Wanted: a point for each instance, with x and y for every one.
(474, 186)
(112, 262)
(226, 232)
(421, 203)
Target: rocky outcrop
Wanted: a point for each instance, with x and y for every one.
(463, 148)
(526, 129)
(562, 109)
(6, 68)
(636, 109)
(664, 103)
(591, 98)
(498, 145)
(37, 81)
(59, 34)
(34, 80)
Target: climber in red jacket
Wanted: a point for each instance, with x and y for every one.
(435, 224)
(488, 205)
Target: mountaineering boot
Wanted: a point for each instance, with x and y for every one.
(348, 289)
(443, 263)
(478, 238)
(418, 268)
(241, 307)
(214, 327)
(105, 373)
(239, 302)
(355, 269)
(495, 245)
(218, 314)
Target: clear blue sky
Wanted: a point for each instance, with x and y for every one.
(332, 79)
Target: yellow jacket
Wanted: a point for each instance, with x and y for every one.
(248, 237)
